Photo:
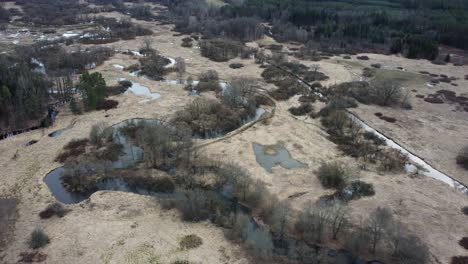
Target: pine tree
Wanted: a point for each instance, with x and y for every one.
(93, 89)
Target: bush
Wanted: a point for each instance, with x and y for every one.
(462, 158)
(388, 119)
(125, 83)
(208, 117)
(287, 88)
(336, 122)
(106, 105)
(363, 57)
(221, 50)
(190, 242)
(464, 242)
(75, 107)
(303, 109)
(51, 210)
(31, 257)
(337, 104)
(332, 175)
(393, 160)
(187, 44)
(374, 138)
(465, 210)
(315, 76)
(459, 260)
(38, 239)
(111, 152)
(73, 148)
(194, 206)
(310, 98)
(155, 184)
(368, 72)
(153, 66)
(180, 262)
(100, 134)
(359, 189)
(236, 65)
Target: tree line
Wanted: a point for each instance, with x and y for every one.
(23, 94)
(414, 28)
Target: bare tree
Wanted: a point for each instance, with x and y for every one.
(180, 66)
(378, 221)
(338, 219)
(147, 44)
(386, 93)
(311, 223)
(239, 93)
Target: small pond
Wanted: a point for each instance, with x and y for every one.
(269, 156)
(141, 90)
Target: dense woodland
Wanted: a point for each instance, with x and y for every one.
(414, 28)
(23, 94)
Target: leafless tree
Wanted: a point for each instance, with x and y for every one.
(147, 44)
(378, 221)
(180, 66)
(338, 219)
(386, 93)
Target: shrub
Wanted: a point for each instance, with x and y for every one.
(368, 72)
(236, 65)
(221, 50)
(38, 239)
(464, 242)
(99, 134)
(73, 148)
(30, 257)
(51, 210)
(358, 189)
(208, 86)
(194, 206)
(180, 262)
(310, 98)
(315, 76)
(154, 66)
(208, 117)
(393, 160)
(125, 83)
(75, 107)
(338, 104)
(332, 175)
(388, 119)
(363, 57)
(335, 122)
(106, 105)
(111, 152)
(374, 138)
(187, 44)
(386, 93)
(459, 260)
(285, 91)
(303, 109)
(155, 184)
(465, 210)
(190, 242)
(433, 99)
(462, 158)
